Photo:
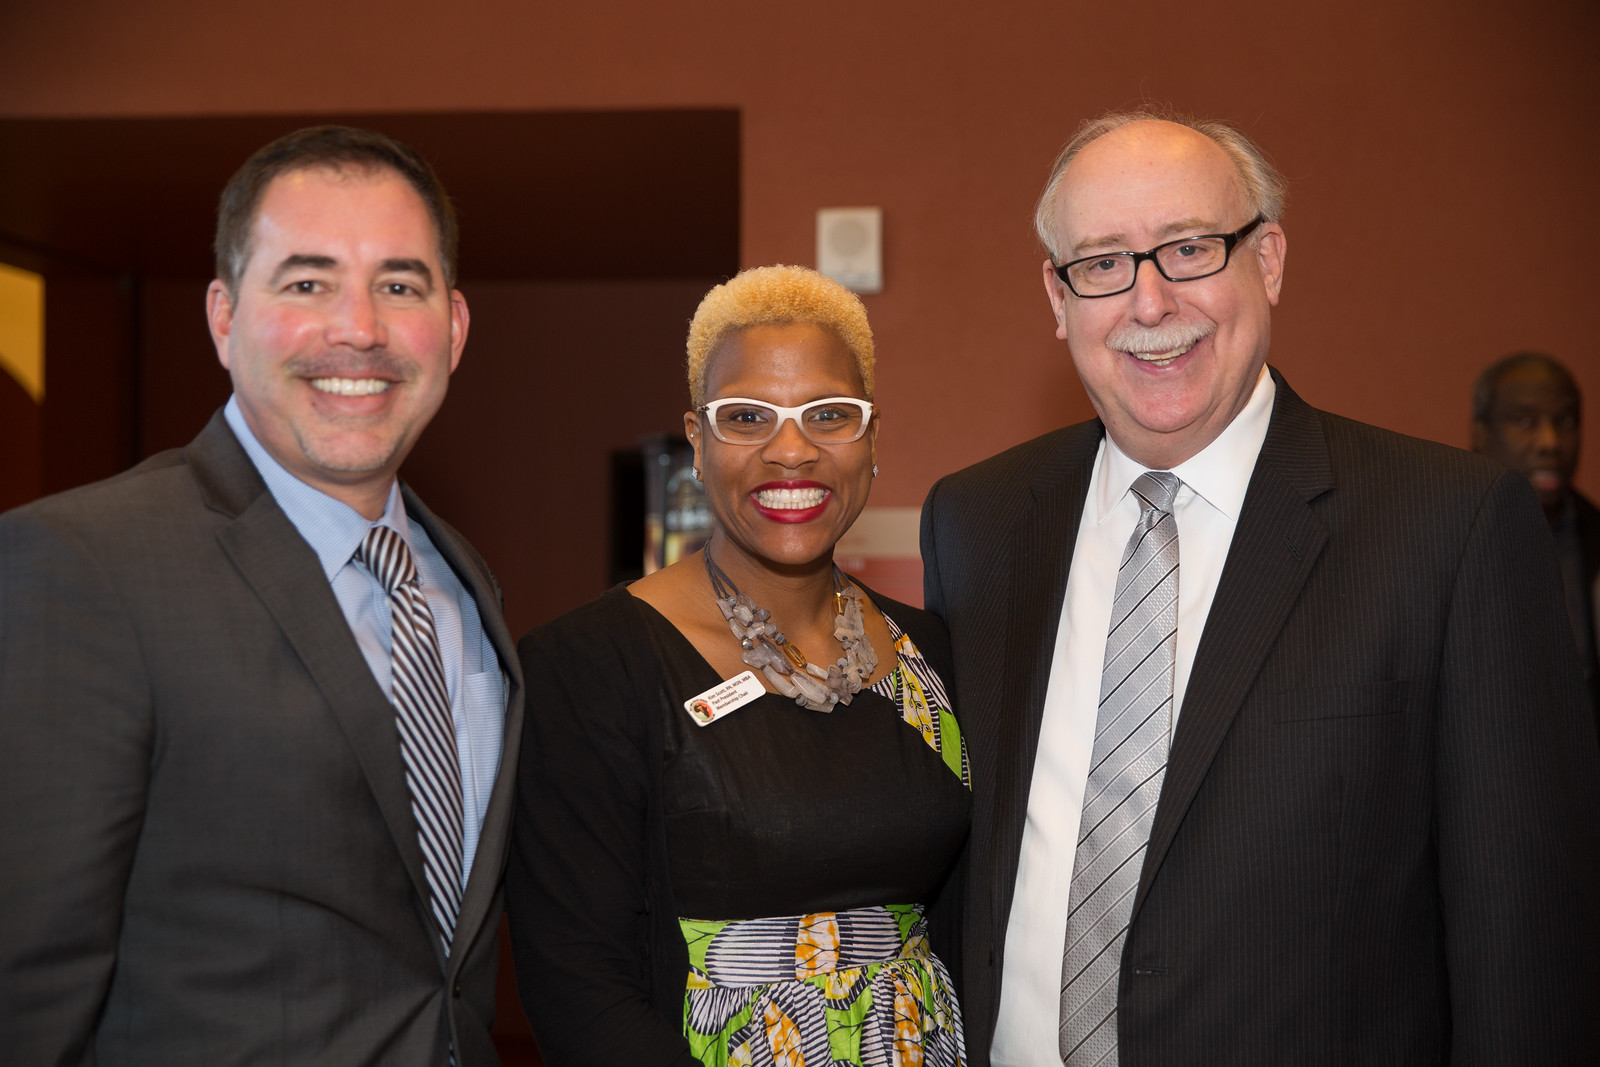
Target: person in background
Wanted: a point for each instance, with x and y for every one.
(1278, 741)
(1527, 414)
(259, 703)
(742, 779)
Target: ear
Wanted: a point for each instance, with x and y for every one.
(691, 430)
(460, 319)
(1057, 292)
(1271, 250)
(1480, 436)
(219, 316)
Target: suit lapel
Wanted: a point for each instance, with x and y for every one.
(1275, 545)
(1039, 563)
(284, 574)
(489, 863)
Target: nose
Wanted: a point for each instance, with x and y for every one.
(1546, 438)
(355, 321)
(1152, 295)
(789, 447)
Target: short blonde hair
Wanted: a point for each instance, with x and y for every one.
(777, 296)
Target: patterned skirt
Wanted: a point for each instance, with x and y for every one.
(851, 987)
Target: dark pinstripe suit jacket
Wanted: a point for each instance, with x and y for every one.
(207, 851)
(1377, 837)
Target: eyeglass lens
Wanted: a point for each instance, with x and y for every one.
(836, 421)
(1179, 261)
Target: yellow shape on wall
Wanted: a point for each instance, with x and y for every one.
(22, 328)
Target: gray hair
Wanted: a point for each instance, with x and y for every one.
(1488, 382)
(1264, 187)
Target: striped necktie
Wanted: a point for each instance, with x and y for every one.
(1128, 764)
(427, 731)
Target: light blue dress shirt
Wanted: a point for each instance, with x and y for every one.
(472, 673)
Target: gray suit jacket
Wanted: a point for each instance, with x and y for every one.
(1379, 833)
(207, 851)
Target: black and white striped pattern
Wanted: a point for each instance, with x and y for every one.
(914, 661)
(781, 948)
(1126, 769)
(422, 713)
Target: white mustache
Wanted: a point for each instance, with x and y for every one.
(1158, 338)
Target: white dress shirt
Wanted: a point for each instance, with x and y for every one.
(1206, 510)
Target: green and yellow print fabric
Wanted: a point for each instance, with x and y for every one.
(916, 690)
(832, 989)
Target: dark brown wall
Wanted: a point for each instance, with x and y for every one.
(180, 381)
(21, 437)
(555, 376)
(1442, 153)
(558, 366)
(88, 430)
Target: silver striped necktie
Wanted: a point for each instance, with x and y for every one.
(1129, 761)
(427, 731)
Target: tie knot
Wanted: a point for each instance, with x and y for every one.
(1157, 490)
(386, 555)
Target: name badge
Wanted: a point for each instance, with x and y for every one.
(723, 699)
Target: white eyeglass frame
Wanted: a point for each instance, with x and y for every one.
(709, 410)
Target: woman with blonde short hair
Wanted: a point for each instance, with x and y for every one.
(743, 790)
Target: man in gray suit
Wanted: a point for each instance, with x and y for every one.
(259, 705)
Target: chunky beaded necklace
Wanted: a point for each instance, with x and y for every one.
(784, 665)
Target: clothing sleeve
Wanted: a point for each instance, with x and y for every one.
(1517, 783)
(946, 906)
(76, 725)
(577, 887)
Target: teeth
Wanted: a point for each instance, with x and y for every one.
(350, 386)
(1161, 359)
(790, 499)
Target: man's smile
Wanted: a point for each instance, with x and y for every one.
(351, 386)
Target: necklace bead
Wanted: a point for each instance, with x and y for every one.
(783, 665)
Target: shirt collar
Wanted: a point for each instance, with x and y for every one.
(332, 528)
(1218, 473)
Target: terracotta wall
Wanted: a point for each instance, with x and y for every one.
(1442, 154)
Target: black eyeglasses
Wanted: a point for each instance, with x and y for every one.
(1184, 260)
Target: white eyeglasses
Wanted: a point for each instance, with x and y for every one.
(838, 420)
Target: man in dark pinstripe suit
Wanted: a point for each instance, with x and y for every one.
(1376, 836)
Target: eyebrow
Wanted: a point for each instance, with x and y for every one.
(399, 265)
(407, 266)
(1172, 230)
(299, 260)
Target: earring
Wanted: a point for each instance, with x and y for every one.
(874, 470)
(696, 471)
